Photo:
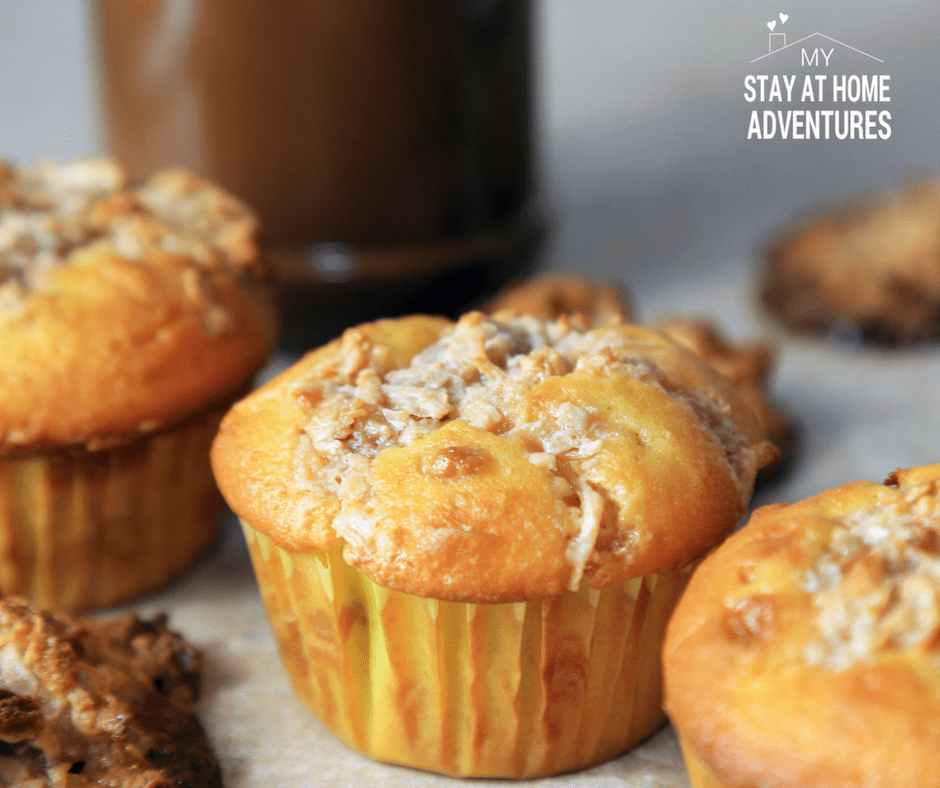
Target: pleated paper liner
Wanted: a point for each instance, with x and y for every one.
(485, 690)
(85, 529)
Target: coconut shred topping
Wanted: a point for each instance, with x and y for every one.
(479, 372)
(50, 210)
(877, 585)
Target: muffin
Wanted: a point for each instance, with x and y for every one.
(131, 317)
(748, 365)
(468, 537)
(98, 703)
(869, 266)
(824, 617)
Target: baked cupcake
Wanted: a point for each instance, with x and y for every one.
(468, 537)
(748, 365)
(131, 317)
(806, 650)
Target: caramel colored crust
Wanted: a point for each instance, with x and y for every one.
(133, 318)
(465, 513)
(796, 700)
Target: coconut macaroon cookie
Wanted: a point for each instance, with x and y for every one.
(131, 316)
(105, 703)
(868, 265)
(824, 617)
(469, 536)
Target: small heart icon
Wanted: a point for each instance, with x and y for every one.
(784, 18)
(772, 24)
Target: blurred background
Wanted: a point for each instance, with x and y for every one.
(643, 168)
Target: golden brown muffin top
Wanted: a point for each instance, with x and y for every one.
(550, 295)
(122, 306)
(495, 459)
(824, 616)
(105, 703)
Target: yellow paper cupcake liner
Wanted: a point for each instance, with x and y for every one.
(485, 690)
(84, 529)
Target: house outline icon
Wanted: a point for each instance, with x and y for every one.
(806, 38)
